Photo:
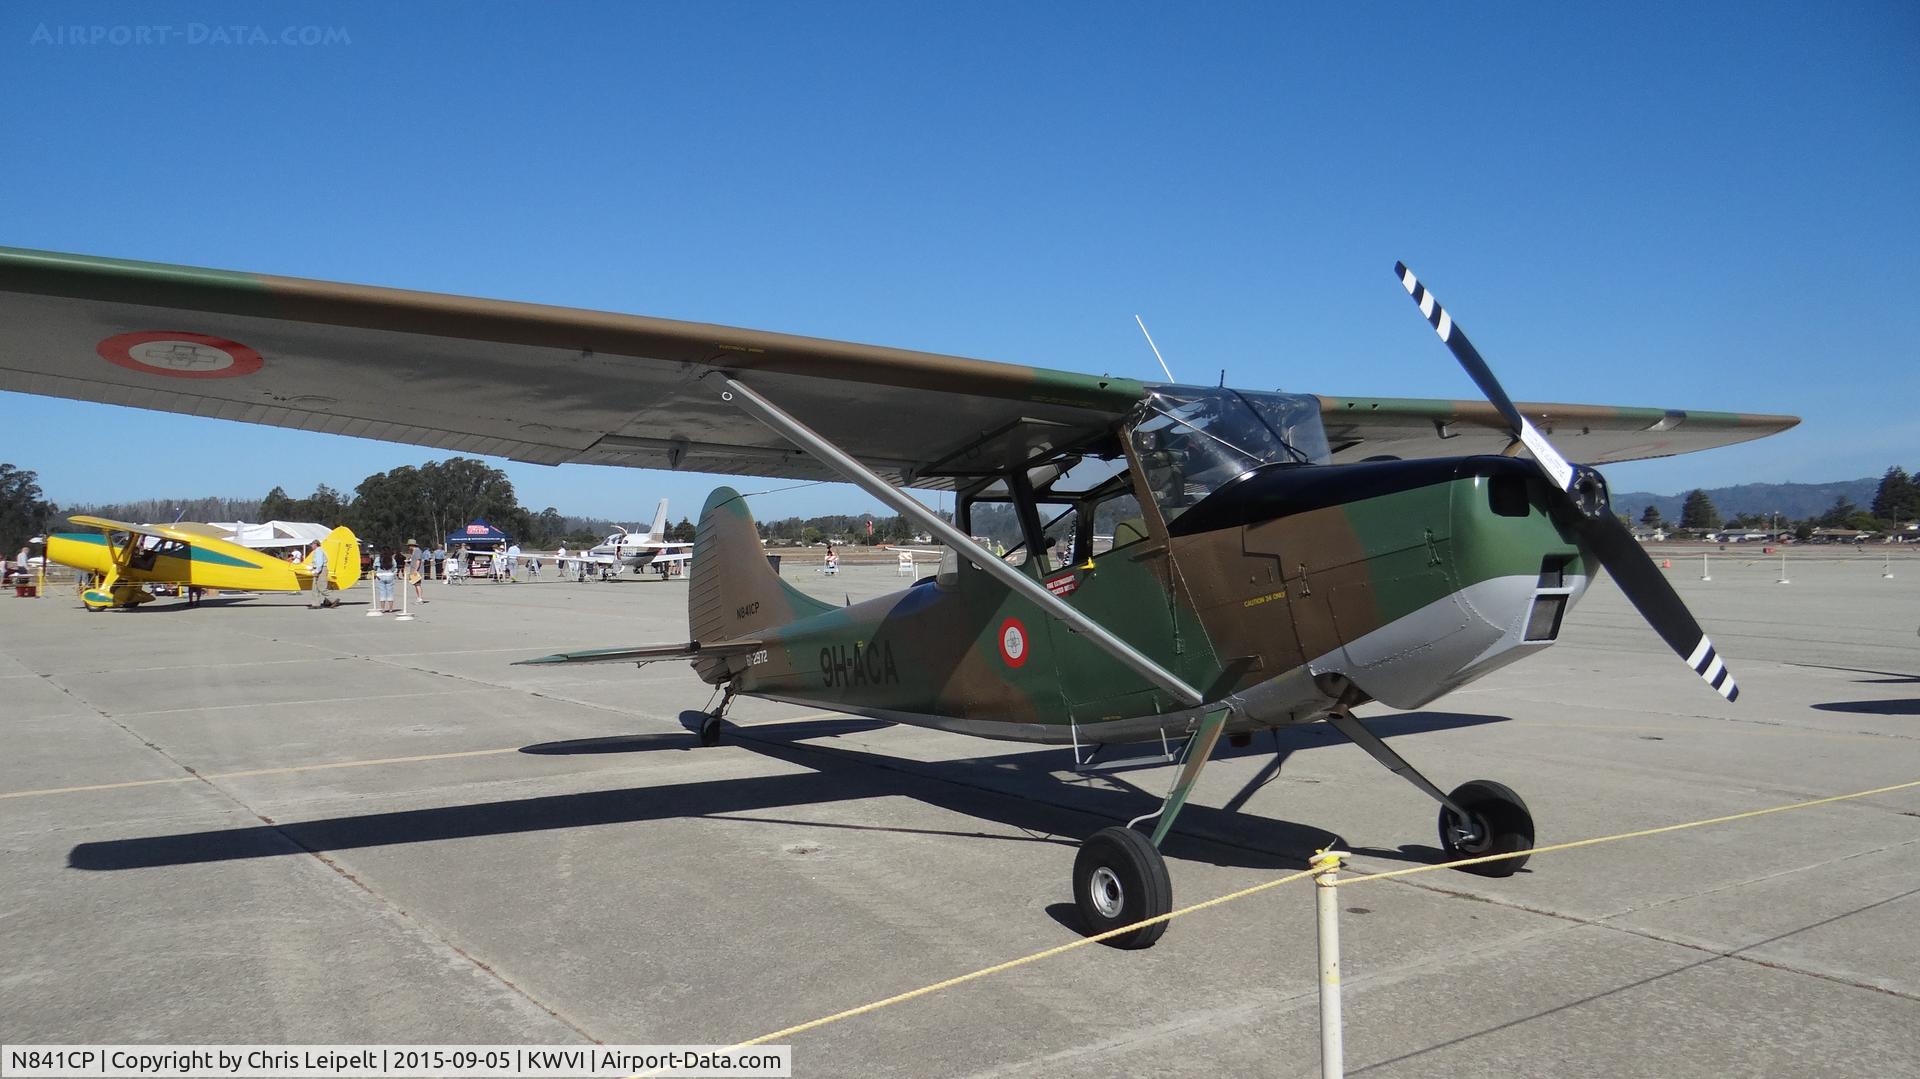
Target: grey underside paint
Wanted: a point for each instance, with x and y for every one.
(1446, 644)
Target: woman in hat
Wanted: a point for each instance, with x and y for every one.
(416, 569)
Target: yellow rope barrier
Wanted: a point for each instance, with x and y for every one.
(1392, 873)
(902, 998)
(250, 772)
(1010, 964)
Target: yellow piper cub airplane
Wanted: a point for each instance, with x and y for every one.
(125, 557)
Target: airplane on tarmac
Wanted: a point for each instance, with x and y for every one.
(649, 549)
(1277, 559)
(123, 558)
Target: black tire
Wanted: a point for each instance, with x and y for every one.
(1501, 820)
(1119, 879)
(710, 731)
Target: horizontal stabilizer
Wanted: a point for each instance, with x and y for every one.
(650, 653)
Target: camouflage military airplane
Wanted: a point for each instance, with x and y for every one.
(123, 559)
(1277, 558)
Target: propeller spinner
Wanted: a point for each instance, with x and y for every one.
(1585, 493)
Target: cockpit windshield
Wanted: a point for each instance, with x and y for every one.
(1191, 440)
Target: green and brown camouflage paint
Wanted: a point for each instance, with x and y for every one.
(295, 299)
(1226, 609)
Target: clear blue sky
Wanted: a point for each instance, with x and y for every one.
(1689, 206)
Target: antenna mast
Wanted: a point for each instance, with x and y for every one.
(1155, 348)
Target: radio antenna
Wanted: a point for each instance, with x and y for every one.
(1156, 349)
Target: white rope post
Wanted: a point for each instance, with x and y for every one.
(400, 578)
(1783, 568)
(1326, 869)
(373, 590)
(1886, 565)
(1706, 573)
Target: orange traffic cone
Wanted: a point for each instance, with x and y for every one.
(1666, 563)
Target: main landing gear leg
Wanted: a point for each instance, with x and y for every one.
(1119, 876)
(1480, 817)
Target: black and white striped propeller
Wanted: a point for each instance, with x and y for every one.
(1603, 533)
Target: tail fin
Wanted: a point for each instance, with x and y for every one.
(659, 529)
(733, 591)
(343, 557)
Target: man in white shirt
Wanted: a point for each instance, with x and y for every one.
(320, 582)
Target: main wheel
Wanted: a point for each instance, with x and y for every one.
(1500, 825)
(1119, 879)
(710, 731)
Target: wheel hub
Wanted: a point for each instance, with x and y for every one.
(1469, 834)
(1105, 891)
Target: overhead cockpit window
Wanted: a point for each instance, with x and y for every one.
(1193, 440)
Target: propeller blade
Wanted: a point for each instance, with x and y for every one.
(1610, 540)
(1653, 596)
(1555, 466)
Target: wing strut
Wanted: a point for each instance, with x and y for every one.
(833, 457)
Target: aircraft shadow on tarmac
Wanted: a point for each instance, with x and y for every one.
(1874, 708)
(640, 743)
(1892, 678)
(1016, 790)
(175, 605)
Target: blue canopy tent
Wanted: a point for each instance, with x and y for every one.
(470, 551)
(477, 534)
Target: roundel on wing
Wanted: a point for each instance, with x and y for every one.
(179, 354)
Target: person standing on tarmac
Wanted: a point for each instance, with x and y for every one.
(386, 567)
(321, 585)
(416, 569)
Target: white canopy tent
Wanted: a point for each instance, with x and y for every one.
(273, 534)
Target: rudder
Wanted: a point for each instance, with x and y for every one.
(343, 557)
(732, 590)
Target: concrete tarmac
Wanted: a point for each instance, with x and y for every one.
(255, 822)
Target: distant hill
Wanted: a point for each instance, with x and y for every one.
(1796, 501)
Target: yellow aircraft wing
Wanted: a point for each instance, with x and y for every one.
(184, 532)
(551, 384)
(198, 529)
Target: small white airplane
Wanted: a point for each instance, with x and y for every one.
(649, 549)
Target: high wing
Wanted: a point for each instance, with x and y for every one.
(1359, 428)
(204, 530)
(552, 385)
(524, 381)
(192, 535)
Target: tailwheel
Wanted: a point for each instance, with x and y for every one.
(1118, 879)
(707, 725)
(1500, 824)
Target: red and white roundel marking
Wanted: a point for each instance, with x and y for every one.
(1013, 642)
(178, 354)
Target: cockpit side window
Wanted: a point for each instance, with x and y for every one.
(147, 550)
(1045, 514)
